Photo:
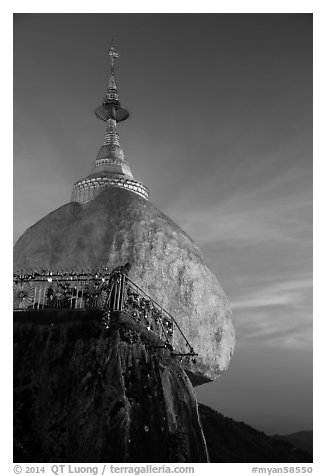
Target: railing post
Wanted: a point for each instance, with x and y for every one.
(44, 296)
(161, 322)
(121, 294)
(39, 297)
(34, 301)
(81, 296)
(71, 297)
(116, 287)
(150, 315)
(77, 292)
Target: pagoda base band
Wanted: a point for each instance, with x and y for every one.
(86, 190)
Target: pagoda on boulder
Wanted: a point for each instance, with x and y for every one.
(106, 356)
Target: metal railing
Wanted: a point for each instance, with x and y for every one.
(110, 292)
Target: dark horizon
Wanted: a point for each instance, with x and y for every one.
(221, 132)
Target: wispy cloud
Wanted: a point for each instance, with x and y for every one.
(249, 199)
(276, 313)
(242, 222)
(287, 293)
(275, 328)
(258, 200)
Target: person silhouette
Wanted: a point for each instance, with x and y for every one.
(125, 269)
(116, 292)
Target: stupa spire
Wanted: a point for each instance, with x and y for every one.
(110, 167)
(112, 54)
(111, 108)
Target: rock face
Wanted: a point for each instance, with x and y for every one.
(86, 393)
(119, 226)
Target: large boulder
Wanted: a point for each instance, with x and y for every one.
(119, 226)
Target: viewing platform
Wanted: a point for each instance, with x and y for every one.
(112, 294)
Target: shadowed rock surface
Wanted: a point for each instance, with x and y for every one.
(120, 226)
(84, 393)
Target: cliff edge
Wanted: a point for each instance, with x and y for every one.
(87, 393)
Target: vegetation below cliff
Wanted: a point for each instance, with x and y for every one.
(229, 441)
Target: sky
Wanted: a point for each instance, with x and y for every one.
(220, 130)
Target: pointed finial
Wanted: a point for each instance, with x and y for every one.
(112, 54)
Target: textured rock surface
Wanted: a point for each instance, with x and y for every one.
(86, 394)
(119, 226)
